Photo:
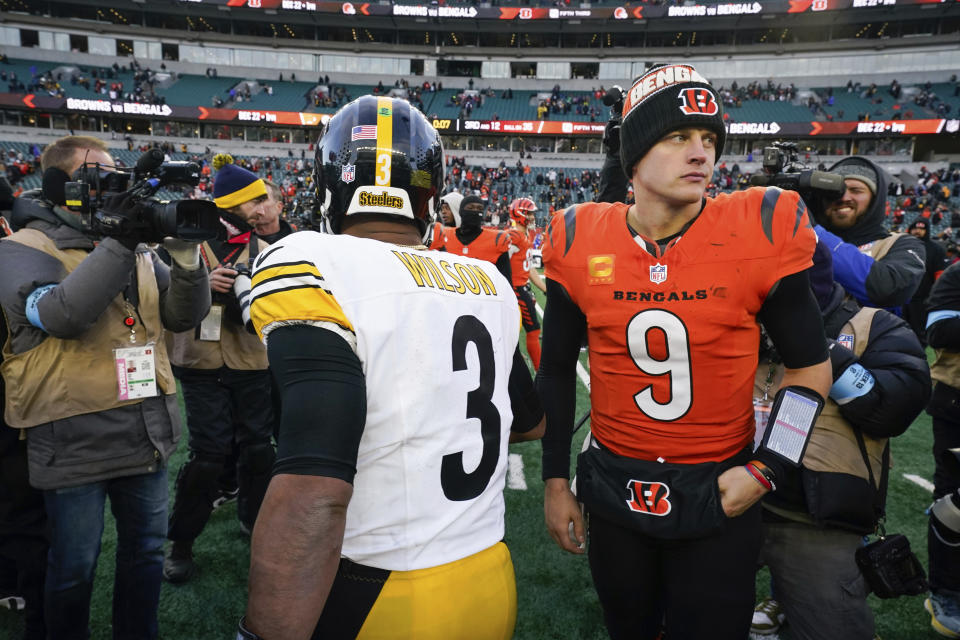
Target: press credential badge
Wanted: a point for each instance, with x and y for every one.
(136, 372)
(210, 326)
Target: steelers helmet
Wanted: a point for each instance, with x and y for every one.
(378, 155)
(519, 209)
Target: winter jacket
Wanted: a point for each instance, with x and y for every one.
(127, 439)
(887, 281)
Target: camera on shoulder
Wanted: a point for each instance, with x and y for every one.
(109, 206)
(782, 168)
(304, 212)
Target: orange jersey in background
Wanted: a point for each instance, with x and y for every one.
(489, 245)
(673, 340)
(520, 259)
(437, 235)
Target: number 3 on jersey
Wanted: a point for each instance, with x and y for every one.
(676, 365)
(457, 483)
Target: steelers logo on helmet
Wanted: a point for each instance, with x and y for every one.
(664, 99)
(378, 155)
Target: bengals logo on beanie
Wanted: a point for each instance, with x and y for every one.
(698, 102)
(665, 98)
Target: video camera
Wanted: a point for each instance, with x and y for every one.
(613, 98)
(782, 168)
(303, 212)
(191, 220)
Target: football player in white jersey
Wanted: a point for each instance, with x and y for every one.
(384, 517)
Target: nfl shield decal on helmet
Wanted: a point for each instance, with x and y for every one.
(658, 273)
(348, 173)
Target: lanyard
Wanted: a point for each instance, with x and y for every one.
(206, 260)
(131, 304)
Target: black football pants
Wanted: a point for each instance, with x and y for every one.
(695, 589)
(224, 406)
(23, 534)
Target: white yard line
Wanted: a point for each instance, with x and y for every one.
(515, 477)
(581, 371)
(923, 482)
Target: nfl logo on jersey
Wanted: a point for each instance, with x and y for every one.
(348, 173)
(658, 273)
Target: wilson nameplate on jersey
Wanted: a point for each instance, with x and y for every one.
(445, 275)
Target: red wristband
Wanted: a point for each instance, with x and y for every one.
(766, 472)
(758, 477)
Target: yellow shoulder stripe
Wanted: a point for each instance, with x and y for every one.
(303, 304)
(285, 269)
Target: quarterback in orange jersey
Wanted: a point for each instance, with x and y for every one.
(669, 292)
(471, 239)
(521, 222)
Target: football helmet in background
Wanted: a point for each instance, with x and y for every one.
(520, 209)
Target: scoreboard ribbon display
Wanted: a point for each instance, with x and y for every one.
(454, 126)
(643, 12)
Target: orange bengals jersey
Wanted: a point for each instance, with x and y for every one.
(673, 338)
(520, 260)
(489, 245)
(436, 236)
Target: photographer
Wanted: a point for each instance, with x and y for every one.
(943, 533)
(271, 225)
(816, 520)
(222, 370)
(85, 380)
(878, 268)
(613, 181)
(915, 311)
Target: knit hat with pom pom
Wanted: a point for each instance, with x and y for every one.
(234, 185)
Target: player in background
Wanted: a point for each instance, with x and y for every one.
(470, 238)
(668, 292)
(384, 519)
(522, 232)
(449, 218)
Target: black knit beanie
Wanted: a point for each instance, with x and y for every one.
(665, 98)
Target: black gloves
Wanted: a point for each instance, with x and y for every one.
(119, 218)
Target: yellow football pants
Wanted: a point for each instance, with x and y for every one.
(474, 598)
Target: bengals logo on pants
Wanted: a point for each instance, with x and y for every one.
(649, 497)
(698, 102)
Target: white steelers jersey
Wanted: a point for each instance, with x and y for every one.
(436, 334)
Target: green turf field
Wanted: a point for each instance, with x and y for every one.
(556, 597)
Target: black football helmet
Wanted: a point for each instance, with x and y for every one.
(378, 155)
